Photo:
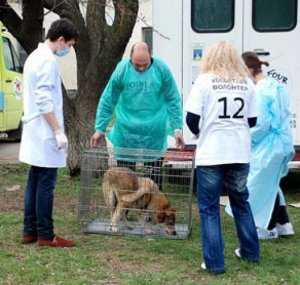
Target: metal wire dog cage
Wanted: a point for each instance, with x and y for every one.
(137, 192)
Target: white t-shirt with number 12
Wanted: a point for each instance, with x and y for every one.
(224, 107)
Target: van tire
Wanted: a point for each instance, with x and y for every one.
(15, 135)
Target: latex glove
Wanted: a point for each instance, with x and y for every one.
(61, 140)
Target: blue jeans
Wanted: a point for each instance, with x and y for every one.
(212, 180)
(38, 202)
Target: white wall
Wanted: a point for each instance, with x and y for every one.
(144, 19)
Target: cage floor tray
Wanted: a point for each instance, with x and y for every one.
(133, 228)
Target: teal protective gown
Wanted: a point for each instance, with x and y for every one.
(272, 149)
(146, 106)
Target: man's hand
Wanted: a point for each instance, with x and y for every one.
(61, 139)
(179, 139)
(96, 138)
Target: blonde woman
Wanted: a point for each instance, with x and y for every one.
(221, 109)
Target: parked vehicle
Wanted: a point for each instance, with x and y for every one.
(10, 88)
(269, 28)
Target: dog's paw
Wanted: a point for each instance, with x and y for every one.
(147, 218)
(171, 231)
(148, 231)
(114, 228)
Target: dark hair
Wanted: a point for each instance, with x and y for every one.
(62, 28)
(252, 61)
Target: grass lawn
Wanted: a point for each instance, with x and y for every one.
(100, 259)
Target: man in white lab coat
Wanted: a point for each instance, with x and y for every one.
(44, 143)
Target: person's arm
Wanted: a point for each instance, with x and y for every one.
(61, 138)
(192, 121)
(108, 100)
(174, 105)
(194, 104)
(106, 105)
(286, 117)
(253, 107)
(252, 103)
(173, 99)
(43, 95)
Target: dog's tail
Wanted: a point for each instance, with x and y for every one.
(109, 195)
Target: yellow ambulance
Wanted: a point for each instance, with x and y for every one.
(10, 88)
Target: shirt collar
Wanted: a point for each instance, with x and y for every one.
(43, 46)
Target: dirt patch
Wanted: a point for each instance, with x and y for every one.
(11, 201)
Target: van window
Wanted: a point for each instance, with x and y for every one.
(17, 62)
(274, 15)
(11, 59)
(147, 35)
(8, 59)
(209, 16)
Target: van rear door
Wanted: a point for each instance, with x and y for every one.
(272, 32)
(1, 88)
(12, 86)
(206, 22)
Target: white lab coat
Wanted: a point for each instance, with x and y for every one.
(42, 94)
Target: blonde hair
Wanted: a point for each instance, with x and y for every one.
(223, 60)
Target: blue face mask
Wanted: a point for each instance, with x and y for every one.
(62, 52)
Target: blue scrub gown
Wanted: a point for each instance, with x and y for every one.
(272, 149)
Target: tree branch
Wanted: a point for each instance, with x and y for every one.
(33, 17)
(12, 22)
(111, 47)
(125, 14)
(96, 24)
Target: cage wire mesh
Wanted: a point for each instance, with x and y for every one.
(137, 192)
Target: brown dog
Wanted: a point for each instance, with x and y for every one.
(124, 190)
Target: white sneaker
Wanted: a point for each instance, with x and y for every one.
(203, 267)
(285, 229)
(237, 253)
(267, 234)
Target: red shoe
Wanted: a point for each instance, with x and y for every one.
(56, 242)
(28, 239)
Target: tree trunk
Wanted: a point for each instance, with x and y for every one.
(98, 50)
(106, 48)
(32, 28)
(79, 125)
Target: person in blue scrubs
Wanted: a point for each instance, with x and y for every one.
(271, 150)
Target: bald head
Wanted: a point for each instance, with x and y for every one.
(140, 56)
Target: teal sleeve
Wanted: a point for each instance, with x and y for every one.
(173, 99)
(108, 101)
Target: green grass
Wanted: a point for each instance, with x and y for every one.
(100, 259)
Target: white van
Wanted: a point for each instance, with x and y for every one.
(267, 27)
